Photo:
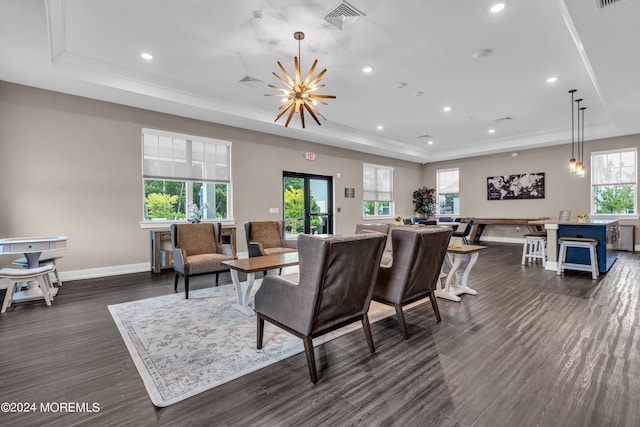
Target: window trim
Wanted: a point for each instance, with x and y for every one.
(592, 185)
(438, 213)
(392, 205)
(154, 223)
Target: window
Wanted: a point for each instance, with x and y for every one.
(613, 182)
(185, 176)
(448, 188)
(377, 193)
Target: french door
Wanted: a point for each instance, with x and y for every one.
(308, 203)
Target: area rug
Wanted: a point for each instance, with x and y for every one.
(184, 347)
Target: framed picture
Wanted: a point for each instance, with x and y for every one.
(510, 187)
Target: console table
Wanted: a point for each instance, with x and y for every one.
(161, 255)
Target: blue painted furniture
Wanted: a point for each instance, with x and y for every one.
(605, 231)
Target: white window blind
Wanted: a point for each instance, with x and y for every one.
(448, 181)
(171, 156)
(377, 183)
(614, 167)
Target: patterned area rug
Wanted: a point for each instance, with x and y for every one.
(184, 347)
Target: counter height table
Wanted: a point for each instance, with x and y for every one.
(605, 231)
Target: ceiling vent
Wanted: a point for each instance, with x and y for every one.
(250, 81)
(344, 14)
(601, 4)
(425, 136)
(503, 119)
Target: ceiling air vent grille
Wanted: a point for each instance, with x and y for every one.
(601, 4)
(343, 14)
(503, 119)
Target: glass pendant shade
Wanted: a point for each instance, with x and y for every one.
(572, 165)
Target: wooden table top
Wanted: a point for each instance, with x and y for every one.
(465, 249)
(261, 263)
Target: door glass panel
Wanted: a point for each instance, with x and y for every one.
(293, 205)
(307, 203)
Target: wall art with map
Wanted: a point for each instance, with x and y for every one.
(512, 187)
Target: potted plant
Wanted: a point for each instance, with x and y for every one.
(398, 219)
(424, 201)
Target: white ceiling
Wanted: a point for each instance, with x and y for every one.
(203, 48)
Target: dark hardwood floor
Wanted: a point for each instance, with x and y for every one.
(530, 349)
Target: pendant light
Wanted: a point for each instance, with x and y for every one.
(579, 165)
(581, 142)
(572, 161)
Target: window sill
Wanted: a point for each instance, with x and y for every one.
(166, 224)
(612, 216)
(376, 218)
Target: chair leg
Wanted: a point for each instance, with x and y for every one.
(434, 304)
(311, 359)
(175, 283)
(403, 324)
(260, 331)
(186, 287)
(55, 272)
(44, 287)
(217, 277)
(8, 296)
(366, 327)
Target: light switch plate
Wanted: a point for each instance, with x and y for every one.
(274, 210)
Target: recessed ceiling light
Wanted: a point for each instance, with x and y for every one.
(482, 53)
(492, 130)
(498, 7)
(552, 79)
(430, 142)
(367, 69)
(515, 154)
(146, 56)
(446, 109)
(380, 127)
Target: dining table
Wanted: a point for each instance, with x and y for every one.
(455, 286)
(32, 248)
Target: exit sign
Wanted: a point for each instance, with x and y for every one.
(309, 155)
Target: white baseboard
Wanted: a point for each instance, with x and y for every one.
(92, 273)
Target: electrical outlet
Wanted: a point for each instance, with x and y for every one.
(517, 229)
(273, 210)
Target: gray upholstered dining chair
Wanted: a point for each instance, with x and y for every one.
(337, 275)
(418, 255)
(267, 238)
(197, 250)
(387, 255)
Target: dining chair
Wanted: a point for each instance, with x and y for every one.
(334, 289)
(418, 254)
(464, 234)
(197, 250)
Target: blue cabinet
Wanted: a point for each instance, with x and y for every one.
(606, 234)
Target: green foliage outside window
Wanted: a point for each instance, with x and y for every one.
(614, 199)
(162, 206)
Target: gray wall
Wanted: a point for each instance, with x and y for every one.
(563, 190)
(72, 166)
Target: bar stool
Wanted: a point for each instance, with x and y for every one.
(19, 275)
(535, 247)
(42, 261)
(578, 242)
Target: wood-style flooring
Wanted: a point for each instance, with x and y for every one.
(530, 349)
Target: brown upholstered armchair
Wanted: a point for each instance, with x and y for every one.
(337, 275)
(197, 250)
(418, 254)
(267, 238)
